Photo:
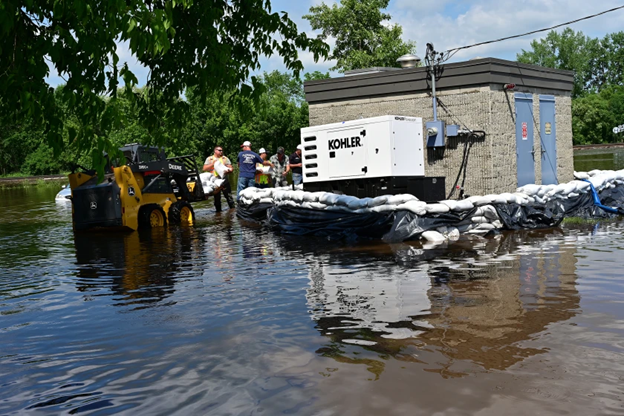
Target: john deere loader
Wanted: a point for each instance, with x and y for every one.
(149, 190)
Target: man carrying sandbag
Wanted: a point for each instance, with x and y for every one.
(220, 166)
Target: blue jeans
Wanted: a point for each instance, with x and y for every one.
(297, 178)
(244, 183)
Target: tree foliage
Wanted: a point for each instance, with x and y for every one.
(598, 65)
(208, 46)
(225, 118)
(363, 40)
(566, 50)
(595, 115)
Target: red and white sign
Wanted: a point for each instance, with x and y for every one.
(525, 131)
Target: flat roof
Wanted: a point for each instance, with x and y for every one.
(477, 72)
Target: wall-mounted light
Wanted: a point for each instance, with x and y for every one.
(509, 87)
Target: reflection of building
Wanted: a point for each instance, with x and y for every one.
(138, 265)
(477, 302)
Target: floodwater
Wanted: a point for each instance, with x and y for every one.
(599, 158)
(230, 319)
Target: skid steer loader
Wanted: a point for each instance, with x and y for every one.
(149, 190)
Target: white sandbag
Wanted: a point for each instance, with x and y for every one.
(453, 234)
(436, 209)
(384, 208)
(318, 205)
(485, 226)
(220, 168)
(573, 195)
(356, 204)
(531, 189)
(450, 203)
(478, 201)
(266, 200)
(296, 196)
(489, 212)
(345, 200)
(219, 182)
(380, 200)
(311, 197)
(416, 207)
(329, 198)
(500, 199)
(479, 220)
(497, 224)
(464, 205)
(433, 236)
(581, 175)
(400, 199)
(597, 181)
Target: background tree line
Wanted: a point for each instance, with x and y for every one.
(201, 92)
(222, 118)
(598, 94)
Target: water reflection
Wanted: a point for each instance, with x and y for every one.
(140, 267)
(477, 301)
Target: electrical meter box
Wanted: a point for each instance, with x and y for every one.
(368, 157)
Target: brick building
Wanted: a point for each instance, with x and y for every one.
(528, 128)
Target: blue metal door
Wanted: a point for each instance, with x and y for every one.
(548, 135)
(524, 139)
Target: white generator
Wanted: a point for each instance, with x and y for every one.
(368, 157)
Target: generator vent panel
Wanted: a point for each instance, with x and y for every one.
(386, 146)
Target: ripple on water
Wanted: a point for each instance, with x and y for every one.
(227, 318)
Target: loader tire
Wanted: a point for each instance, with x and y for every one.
(152, 216)
(181, 213)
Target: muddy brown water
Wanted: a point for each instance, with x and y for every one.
(228, 318)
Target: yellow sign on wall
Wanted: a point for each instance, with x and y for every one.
(547, 128)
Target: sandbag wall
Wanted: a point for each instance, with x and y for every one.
(406, 217)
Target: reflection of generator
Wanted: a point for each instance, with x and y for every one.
(369, 157)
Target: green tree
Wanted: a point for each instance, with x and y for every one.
(566, 50)
(273, 120)
(606, 62)
(595, 115)
(184, 44)
(362, 38)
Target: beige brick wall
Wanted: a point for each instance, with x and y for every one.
(492, 162)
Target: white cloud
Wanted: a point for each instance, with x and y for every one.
(485, 20)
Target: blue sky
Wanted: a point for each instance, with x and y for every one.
(448, 24)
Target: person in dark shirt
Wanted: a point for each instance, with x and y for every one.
(247, 168)
(294, 165)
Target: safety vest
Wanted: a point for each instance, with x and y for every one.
(262, 178)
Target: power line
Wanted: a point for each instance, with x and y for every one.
(453, 51)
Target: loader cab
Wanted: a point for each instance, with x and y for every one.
(138, 153)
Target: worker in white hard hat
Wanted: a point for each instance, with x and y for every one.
(263, 178)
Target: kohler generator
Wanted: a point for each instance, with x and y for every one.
(369, 157)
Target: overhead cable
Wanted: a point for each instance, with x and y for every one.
(452, 52)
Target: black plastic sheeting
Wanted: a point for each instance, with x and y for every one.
(404, 225)
(331, 224)
(518, 217)
(584, 207)
(409, 225)
(253, 212)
